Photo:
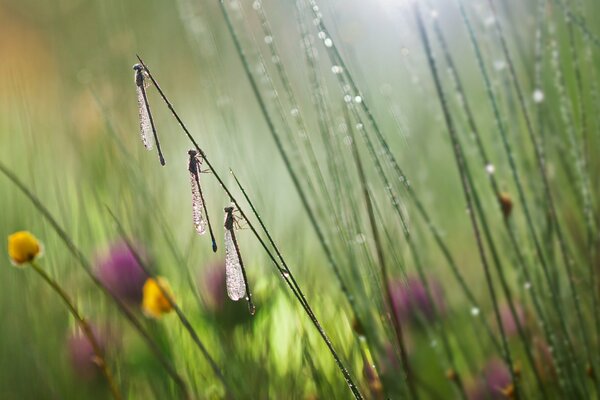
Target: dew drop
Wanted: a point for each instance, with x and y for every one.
(358, 99)
(268, 39)
(489, 21)
(434, 14)
(328, 42)
(490, 169)
(499, 65)
(433, 343)
(475, 311)
(347, 140)
(336, 69)
(295, 112)
(527, 285)
(256, 5)
(347, 98)
(322, 35)
(360, 238)
(538, 96)
(359, 126)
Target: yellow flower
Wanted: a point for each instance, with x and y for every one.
(23, 247)
(155, 304)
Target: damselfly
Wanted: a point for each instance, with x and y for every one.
(235, 274)
(146, 121)
(198, 203)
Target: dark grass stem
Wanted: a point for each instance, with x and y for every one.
(408, 373)
(99, 358)
(551, 280)
(343, 369)
(514, 240)
(384, 270)
(347, 79)
(567, 257)
(295, 179)
(292, 284)
(86, 265)
(180, 314)
(468, 193)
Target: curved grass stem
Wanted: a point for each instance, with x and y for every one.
(99, 359)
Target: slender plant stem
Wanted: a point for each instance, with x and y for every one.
(468, 192)
(346, 80)
(180, 314)
(85, 264)
(408, 374)
(285, 274)
(85, 327)
(567, 258)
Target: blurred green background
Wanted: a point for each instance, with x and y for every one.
(69, 129)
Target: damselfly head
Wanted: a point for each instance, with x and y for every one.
(192, 153)
(137, 67)
(228, 210)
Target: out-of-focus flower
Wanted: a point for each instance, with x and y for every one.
(213, 287)
(508, 321)
(410, 300)
(497, 383)
(23, 247)
(81, 353)
(121, 273)
(155, 303)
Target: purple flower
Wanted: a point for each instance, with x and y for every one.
(81, 353)
(120, 272)
(410, 300)
(496, 382)
(213, 291)
(508, 321)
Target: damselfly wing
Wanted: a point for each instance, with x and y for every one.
(235, 274)
(141, 83)
(199, 212)
(236, 287)
(197, 203)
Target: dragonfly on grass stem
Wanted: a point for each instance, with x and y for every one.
(198, 203)
(146, 121)
(235, 273)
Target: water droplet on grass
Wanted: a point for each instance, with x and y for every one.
(328, 42)
(360, 238)
(358, 99)
(538, 96)
(499, 65)
(490, 169)
(475, 311)
(268, 39)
